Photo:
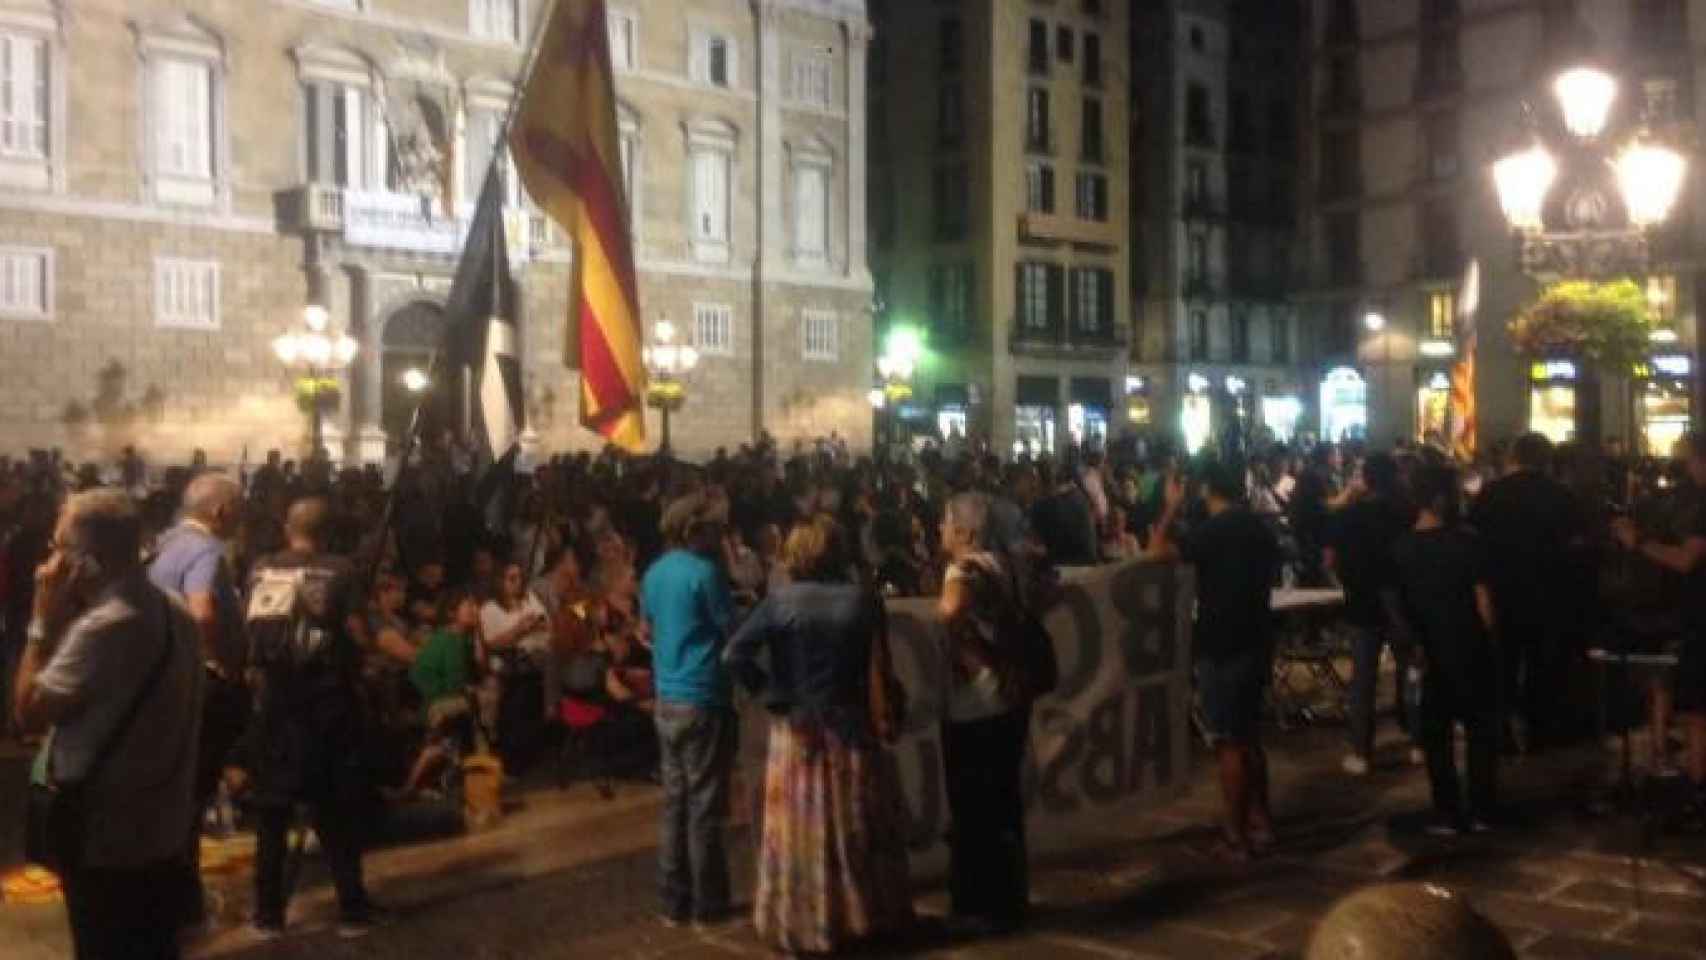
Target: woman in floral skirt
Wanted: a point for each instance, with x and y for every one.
(832, 858)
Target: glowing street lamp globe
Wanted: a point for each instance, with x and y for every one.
(1586, 95)
(1650, 178)
(1523, 180)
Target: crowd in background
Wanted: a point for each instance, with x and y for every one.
(500, 623)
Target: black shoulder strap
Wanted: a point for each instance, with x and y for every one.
(142, 693)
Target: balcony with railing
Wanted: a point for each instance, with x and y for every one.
(1058, 336)
(1035, 227)
(399, 221)
(1201, 205)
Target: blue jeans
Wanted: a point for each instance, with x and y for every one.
(1366, 643)
(697, 747)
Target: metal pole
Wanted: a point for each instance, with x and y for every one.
(663, 446)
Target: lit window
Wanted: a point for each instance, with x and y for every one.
(182, 98)
(1039, 285)
(1092, 300)
(26, 282)
(186, 293)
(1442, 314)
(713, 328)
(820, 335)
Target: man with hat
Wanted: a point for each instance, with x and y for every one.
(685, 597)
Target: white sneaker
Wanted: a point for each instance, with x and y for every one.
(1354, 765)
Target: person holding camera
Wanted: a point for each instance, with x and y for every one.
(113, 666)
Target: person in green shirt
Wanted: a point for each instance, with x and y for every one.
(444, 668)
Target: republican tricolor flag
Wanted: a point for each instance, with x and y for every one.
(566, 149)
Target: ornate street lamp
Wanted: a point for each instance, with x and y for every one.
(320, 355)
(667, 362)
(1580, 196)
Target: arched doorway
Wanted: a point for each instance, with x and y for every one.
(412, 336)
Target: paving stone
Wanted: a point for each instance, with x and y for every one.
(1513, 911)
(1619, 897)
(1176, 940)
(1560, 946)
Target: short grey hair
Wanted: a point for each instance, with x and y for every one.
(970, 512)
(104, 524)
(207, 493)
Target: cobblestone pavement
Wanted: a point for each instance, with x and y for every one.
(1561, 884)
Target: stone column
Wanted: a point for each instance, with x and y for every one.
(858, 34)
(368, 369)
(768, 251)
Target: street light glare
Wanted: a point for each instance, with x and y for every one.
(316, 317)
(1374, 320)
(1523, 179)
(1585, 94)
(414, 380)
(1650, 178)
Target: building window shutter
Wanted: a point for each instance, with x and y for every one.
(1019, 298)
(1105, 300)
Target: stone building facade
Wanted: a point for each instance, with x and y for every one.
(1000, 213)
(1214, 219)
(1409, 103)
(179, 179)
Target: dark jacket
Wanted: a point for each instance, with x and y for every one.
(305, 736)
(1527, 522)
(818, 638)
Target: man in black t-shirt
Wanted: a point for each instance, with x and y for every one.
(1360, 538)
(1686, 559)
(1442, 576)
(303, 742)
(1236, 557)
(1529, 521)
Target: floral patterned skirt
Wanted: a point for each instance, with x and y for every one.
(832, 855)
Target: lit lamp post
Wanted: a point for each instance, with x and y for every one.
(319, 354)
(666, 363)
(1583, 195)
(895, 368)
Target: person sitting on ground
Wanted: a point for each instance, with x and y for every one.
(445, 668)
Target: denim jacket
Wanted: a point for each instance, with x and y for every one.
(818, 640)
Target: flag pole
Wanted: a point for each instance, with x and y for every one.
(411, 438)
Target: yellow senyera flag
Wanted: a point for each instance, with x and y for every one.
(566, 149)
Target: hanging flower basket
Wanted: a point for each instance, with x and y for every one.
(320, 393)
(1603, 324)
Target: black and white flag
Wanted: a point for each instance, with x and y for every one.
(482, 344)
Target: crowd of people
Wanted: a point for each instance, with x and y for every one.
(309, 638)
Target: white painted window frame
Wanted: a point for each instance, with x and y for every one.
(184, 39)
(717, 140)
(811, 158)
(41, 20)
(827, 348)
(721, 314)
(44, 311)
(167, 321)
(480, 19)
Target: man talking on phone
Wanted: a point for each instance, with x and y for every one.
(112, 665)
